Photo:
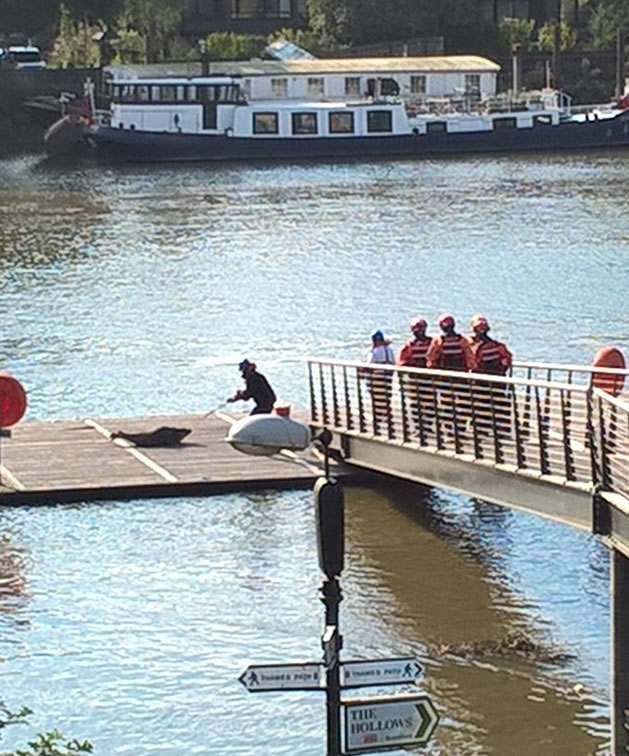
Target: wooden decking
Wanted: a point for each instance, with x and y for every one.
(49, 462)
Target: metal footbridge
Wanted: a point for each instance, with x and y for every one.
(551, 439)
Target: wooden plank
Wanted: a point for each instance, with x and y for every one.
(75, 460)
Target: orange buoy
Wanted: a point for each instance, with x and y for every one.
(609, 357)
(12, 401)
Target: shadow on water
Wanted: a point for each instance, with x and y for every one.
(491, 663)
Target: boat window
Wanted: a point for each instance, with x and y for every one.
(127, 93)
(304, 123)
(472, 83)
(168, 94)
(279, 87)
(436, 127)
(208, 94)
(265, 123)
(379, 121)
(341, 122)
(352, 85)
(315, 86)
(505, 123)
(191, 94)
(382, 87)
(418, 84)
(143, 93)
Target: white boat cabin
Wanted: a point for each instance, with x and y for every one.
(414, 79)
(215, 105)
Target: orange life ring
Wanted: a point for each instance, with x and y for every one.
(609, 357)
(12, 401)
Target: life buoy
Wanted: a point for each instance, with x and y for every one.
(609, 357)
(12, 401)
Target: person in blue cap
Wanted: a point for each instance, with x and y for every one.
(381, 383)
(256, 387)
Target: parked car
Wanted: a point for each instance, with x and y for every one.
(25, 57)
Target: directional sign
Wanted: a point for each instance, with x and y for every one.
(264, 677)
(375, 723)
(356, 674)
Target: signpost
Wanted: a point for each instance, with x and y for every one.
(370, 724)
(258, 678)
(356, 674)
(380, 723)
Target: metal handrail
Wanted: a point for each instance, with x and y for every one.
(468, 376)
(571, 368)
(571, 431)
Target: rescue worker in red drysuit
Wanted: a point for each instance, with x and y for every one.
(417, 390)
(256, 387)
(492, 401)
(451, 351)
(380, 382)
(491, 356)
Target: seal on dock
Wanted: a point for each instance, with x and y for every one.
(162, 436)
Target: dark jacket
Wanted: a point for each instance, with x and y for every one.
(259, 389)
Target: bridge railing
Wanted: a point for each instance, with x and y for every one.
(611, 443)
(532, 425)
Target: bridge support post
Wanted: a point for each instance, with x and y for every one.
(620, 653)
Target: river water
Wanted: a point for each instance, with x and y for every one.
(136, 290)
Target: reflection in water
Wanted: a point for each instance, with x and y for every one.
(136, 290)
(450, 595)
(14, 595)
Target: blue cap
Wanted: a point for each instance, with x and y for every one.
(244, 365)
(377, 336)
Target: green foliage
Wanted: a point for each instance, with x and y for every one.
(606, 18)
(74, 46)
(546, 37)
(129, 46)
(48, 744)
(156, 22)
(518, 31)
(230, 46)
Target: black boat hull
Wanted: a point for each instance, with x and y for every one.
(136, 145)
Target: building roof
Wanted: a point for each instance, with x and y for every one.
(383, 65)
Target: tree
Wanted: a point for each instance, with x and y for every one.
(74, 44)
(518, 31)
(606, 18)
(48, 744)
(546, 37)
(156, 21)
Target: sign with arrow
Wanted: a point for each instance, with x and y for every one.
(356, 674)
(372, 724)
(264, 677)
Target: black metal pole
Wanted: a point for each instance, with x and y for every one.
(330, 521)
(331, 597)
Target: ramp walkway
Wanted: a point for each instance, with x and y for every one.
(545, 438)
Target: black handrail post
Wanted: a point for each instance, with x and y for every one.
(348, 405)
(565, 428)
(362, 425)
(313, 403)
(435, 401)
(324, 403)
(405, 424)
(519, 448)
(336, 411)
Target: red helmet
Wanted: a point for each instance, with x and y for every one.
(419, 324)
(480, 324)
(447, 321)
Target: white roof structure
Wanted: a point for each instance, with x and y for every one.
(317, 66)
